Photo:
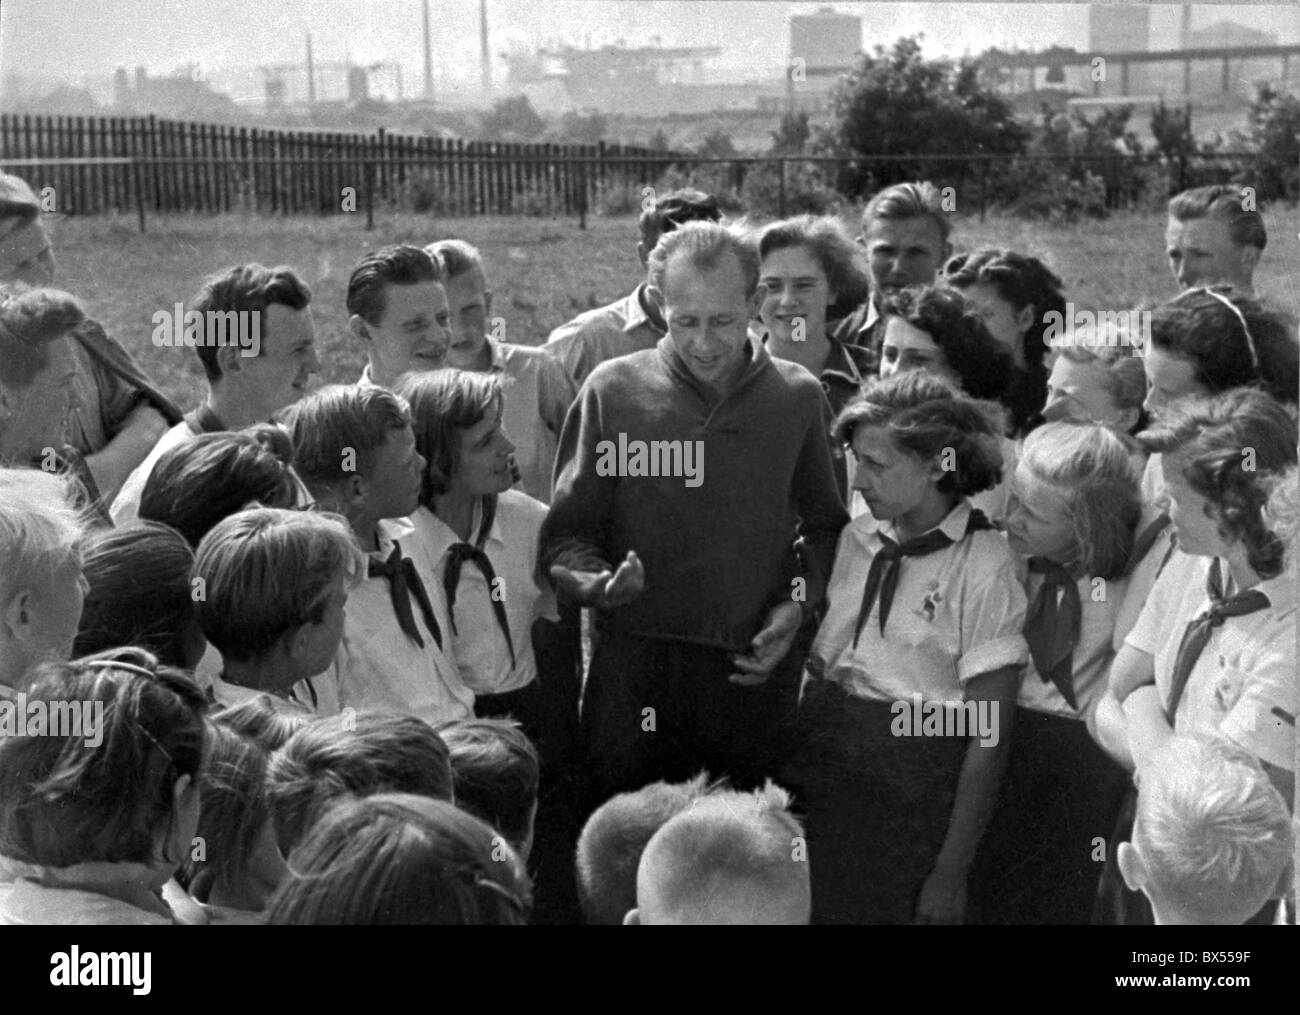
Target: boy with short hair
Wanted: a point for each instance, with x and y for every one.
(615, 836)
(274, 585)
(352, 755)
(1213, 236)
(41, 585)
(494, 769)
(356, 453)
(538, 392)
(728, 859)
(398, 311)
(243, 389)
(1211, 841)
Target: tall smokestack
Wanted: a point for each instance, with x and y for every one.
(1185, 38)
(311, 74)
(428, 57)
(483, 45)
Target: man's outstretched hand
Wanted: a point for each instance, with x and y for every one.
(603, 589)
(769, 646)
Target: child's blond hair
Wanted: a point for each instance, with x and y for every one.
(1213, 832)
(1090, 465)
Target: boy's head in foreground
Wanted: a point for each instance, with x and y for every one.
(728, 858)
(1212, 840)
(494, 770)
(615, 836)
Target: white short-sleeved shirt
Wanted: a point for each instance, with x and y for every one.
(1093, 652)
(538, 393)
(126, 506)
(1141, 576)
(378, 666)
(1243, 686)
(976, 624)
(512, 546)
(1153, 484)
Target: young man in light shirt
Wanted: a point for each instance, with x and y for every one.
(242, 389)
(399, 313)
(1212, 237)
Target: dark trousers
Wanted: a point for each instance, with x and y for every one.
(1043, 853)
(665, 710)
(875, 806)
(547, 709)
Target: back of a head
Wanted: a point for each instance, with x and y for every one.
(455, 257)
(1231, 340)
(613, 839)
(196, 484)
(139, 593)
(1213, 833)
(357, 755)
(267, 571)
(102, 791)
(40, 529)
(265, 719)
(673, 210)
(23, 240)
(494, 769)
(245, 288)
(1224, 202)
(728, 858)
(356, 417)
(398, 859)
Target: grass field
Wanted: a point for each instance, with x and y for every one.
(543, 271)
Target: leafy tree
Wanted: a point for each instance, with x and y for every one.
(659, 141)
(716, 144)
(792, 136)
(1273, 133)
(513, 118)
(583, 128)
(897, 103)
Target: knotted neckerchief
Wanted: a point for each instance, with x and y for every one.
(473, 552)
(403, 580)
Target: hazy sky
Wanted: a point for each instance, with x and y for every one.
(72, 39)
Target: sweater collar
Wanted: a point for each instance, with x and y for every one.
(756, 354)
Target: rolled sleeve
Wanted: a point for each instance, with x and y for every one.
(992, 628)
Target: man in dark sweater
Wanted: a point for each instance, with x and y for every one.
(696, 510)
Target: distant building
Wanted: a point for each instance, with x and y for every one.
(183, 95)
(823, 47)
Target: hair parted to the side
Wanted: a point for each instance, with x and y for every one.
(198, 483)
(615, 836)
(352, 754)
(1197, 326)
(30, 319)
(726, 842)
(400, 859)
(920, 199)
(495, 771)
(925, 416)
(40, 529)
(1090, 466)
(455, 257)
(232, 808)
(1214, 834)
(267, 572)
(265, 719)
(443, 403)
(67, 800)
(139, 592)
(338, 418)
(1224, 202)
(245, 288)
(982, 362)
(1218, 437)
(705, 246)
(400, 264)
(829, 244)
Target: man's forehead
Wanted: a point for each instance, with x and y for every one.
(915, 230)
(687, 280)
(411, 298)
(1203, 230)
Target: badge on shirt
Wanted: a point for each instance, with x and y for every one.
(930, 604)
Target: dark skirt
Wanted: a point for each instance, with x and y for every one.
(1042, 856)
(875, 806)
